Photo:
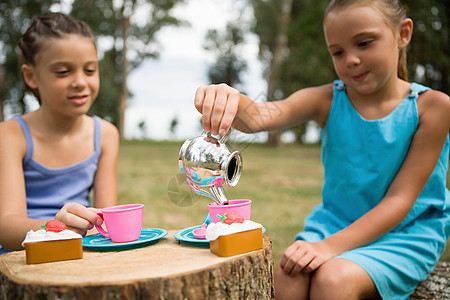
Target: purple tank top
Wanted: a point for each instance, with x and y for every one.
(48, 189)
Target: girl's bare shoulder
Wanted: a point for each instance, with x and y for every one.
(434, 103)
(434, 97)
(108, 129)
(10, 129)
(321, 93)
(110, 134)
(12, 137)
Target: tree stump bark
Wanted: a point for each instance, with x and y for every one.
(436, 286)
(164, 270)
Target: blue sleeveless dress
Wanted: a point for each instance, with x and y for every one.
(48, 189)
(361, 158)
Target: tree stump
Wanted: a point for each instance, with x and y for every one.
(163, 270)
(436, 286)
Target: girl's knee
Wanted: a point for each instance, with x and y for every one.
(341, 279)
(290, 287)
(329, 275)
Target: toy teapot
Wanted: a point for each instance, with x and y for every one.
(207, 162)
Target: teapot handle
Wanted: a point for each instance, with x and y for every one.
(222, 138)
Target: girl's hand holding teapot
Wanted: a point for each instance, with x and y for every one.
(218, 105)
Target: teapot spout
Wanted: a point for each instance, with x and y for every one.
(219, 194)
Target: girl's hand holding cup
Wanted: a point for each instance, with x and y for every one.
(79, 218)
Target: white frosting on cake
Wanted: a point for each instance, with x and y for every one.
(215, 230)
(41, 236)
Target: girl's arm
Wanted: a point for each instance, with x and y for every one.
(14, 223)
(105, 181)
(82, 219)
(222, 106)
(420, 161)
(422, 157)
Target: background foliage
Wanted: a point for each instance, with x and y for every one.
(123, 44)
(126, 43)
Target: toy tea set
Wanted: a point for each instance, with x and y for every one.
(208, 164)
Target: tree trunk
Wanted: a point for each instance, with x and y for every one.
(2, 117)
(2, 80)
(123, 97)
(163, 270)
(437, 285)
(279, 55)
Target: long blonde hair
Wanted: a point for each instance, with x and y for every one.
(394, 13)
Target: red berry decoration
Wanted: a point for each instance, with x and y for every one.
(231, 217)
(54, 226)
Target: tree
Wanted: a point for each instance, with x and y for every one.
(272, 23)
(173, 125)
(15, 18)
(428, 53)
(307, 62)
(143, 128)
(226, 46)
(131, 41)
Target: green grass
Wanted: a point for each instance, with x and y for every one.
(284, 185)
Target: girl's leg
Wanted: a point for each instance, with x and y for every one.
(342, 279)
(287, 287)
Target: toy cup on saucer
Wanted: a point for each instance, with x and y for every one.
(241, 207)
(123, 222)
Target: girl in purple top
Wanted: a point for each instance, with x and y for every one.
(52, 157)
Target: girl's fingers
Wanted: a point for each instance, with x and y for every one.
(290, 257)
(298, 262)
(301, 257)
(285, 258)
(207, 107)
(314, 264)
(301, 263)
(77, 216)
(218, 105)
(230, 112)
(77, 230)
(198, 99)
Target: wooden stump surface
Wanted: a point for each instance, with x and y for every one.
(163, 270)
(436, 286)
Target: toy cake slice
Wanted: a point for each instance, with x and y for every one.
(43, 246)
(232, 238)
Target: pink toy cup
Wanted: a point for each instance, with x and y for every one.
(241, 207)
(123, 222)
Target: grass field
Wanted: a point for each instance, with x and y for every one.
(284, 185)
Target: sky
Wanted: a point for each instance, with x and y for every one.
(164, 89)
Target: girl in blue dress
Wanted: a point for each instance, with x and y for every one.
(385, 214)
(51, 158)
